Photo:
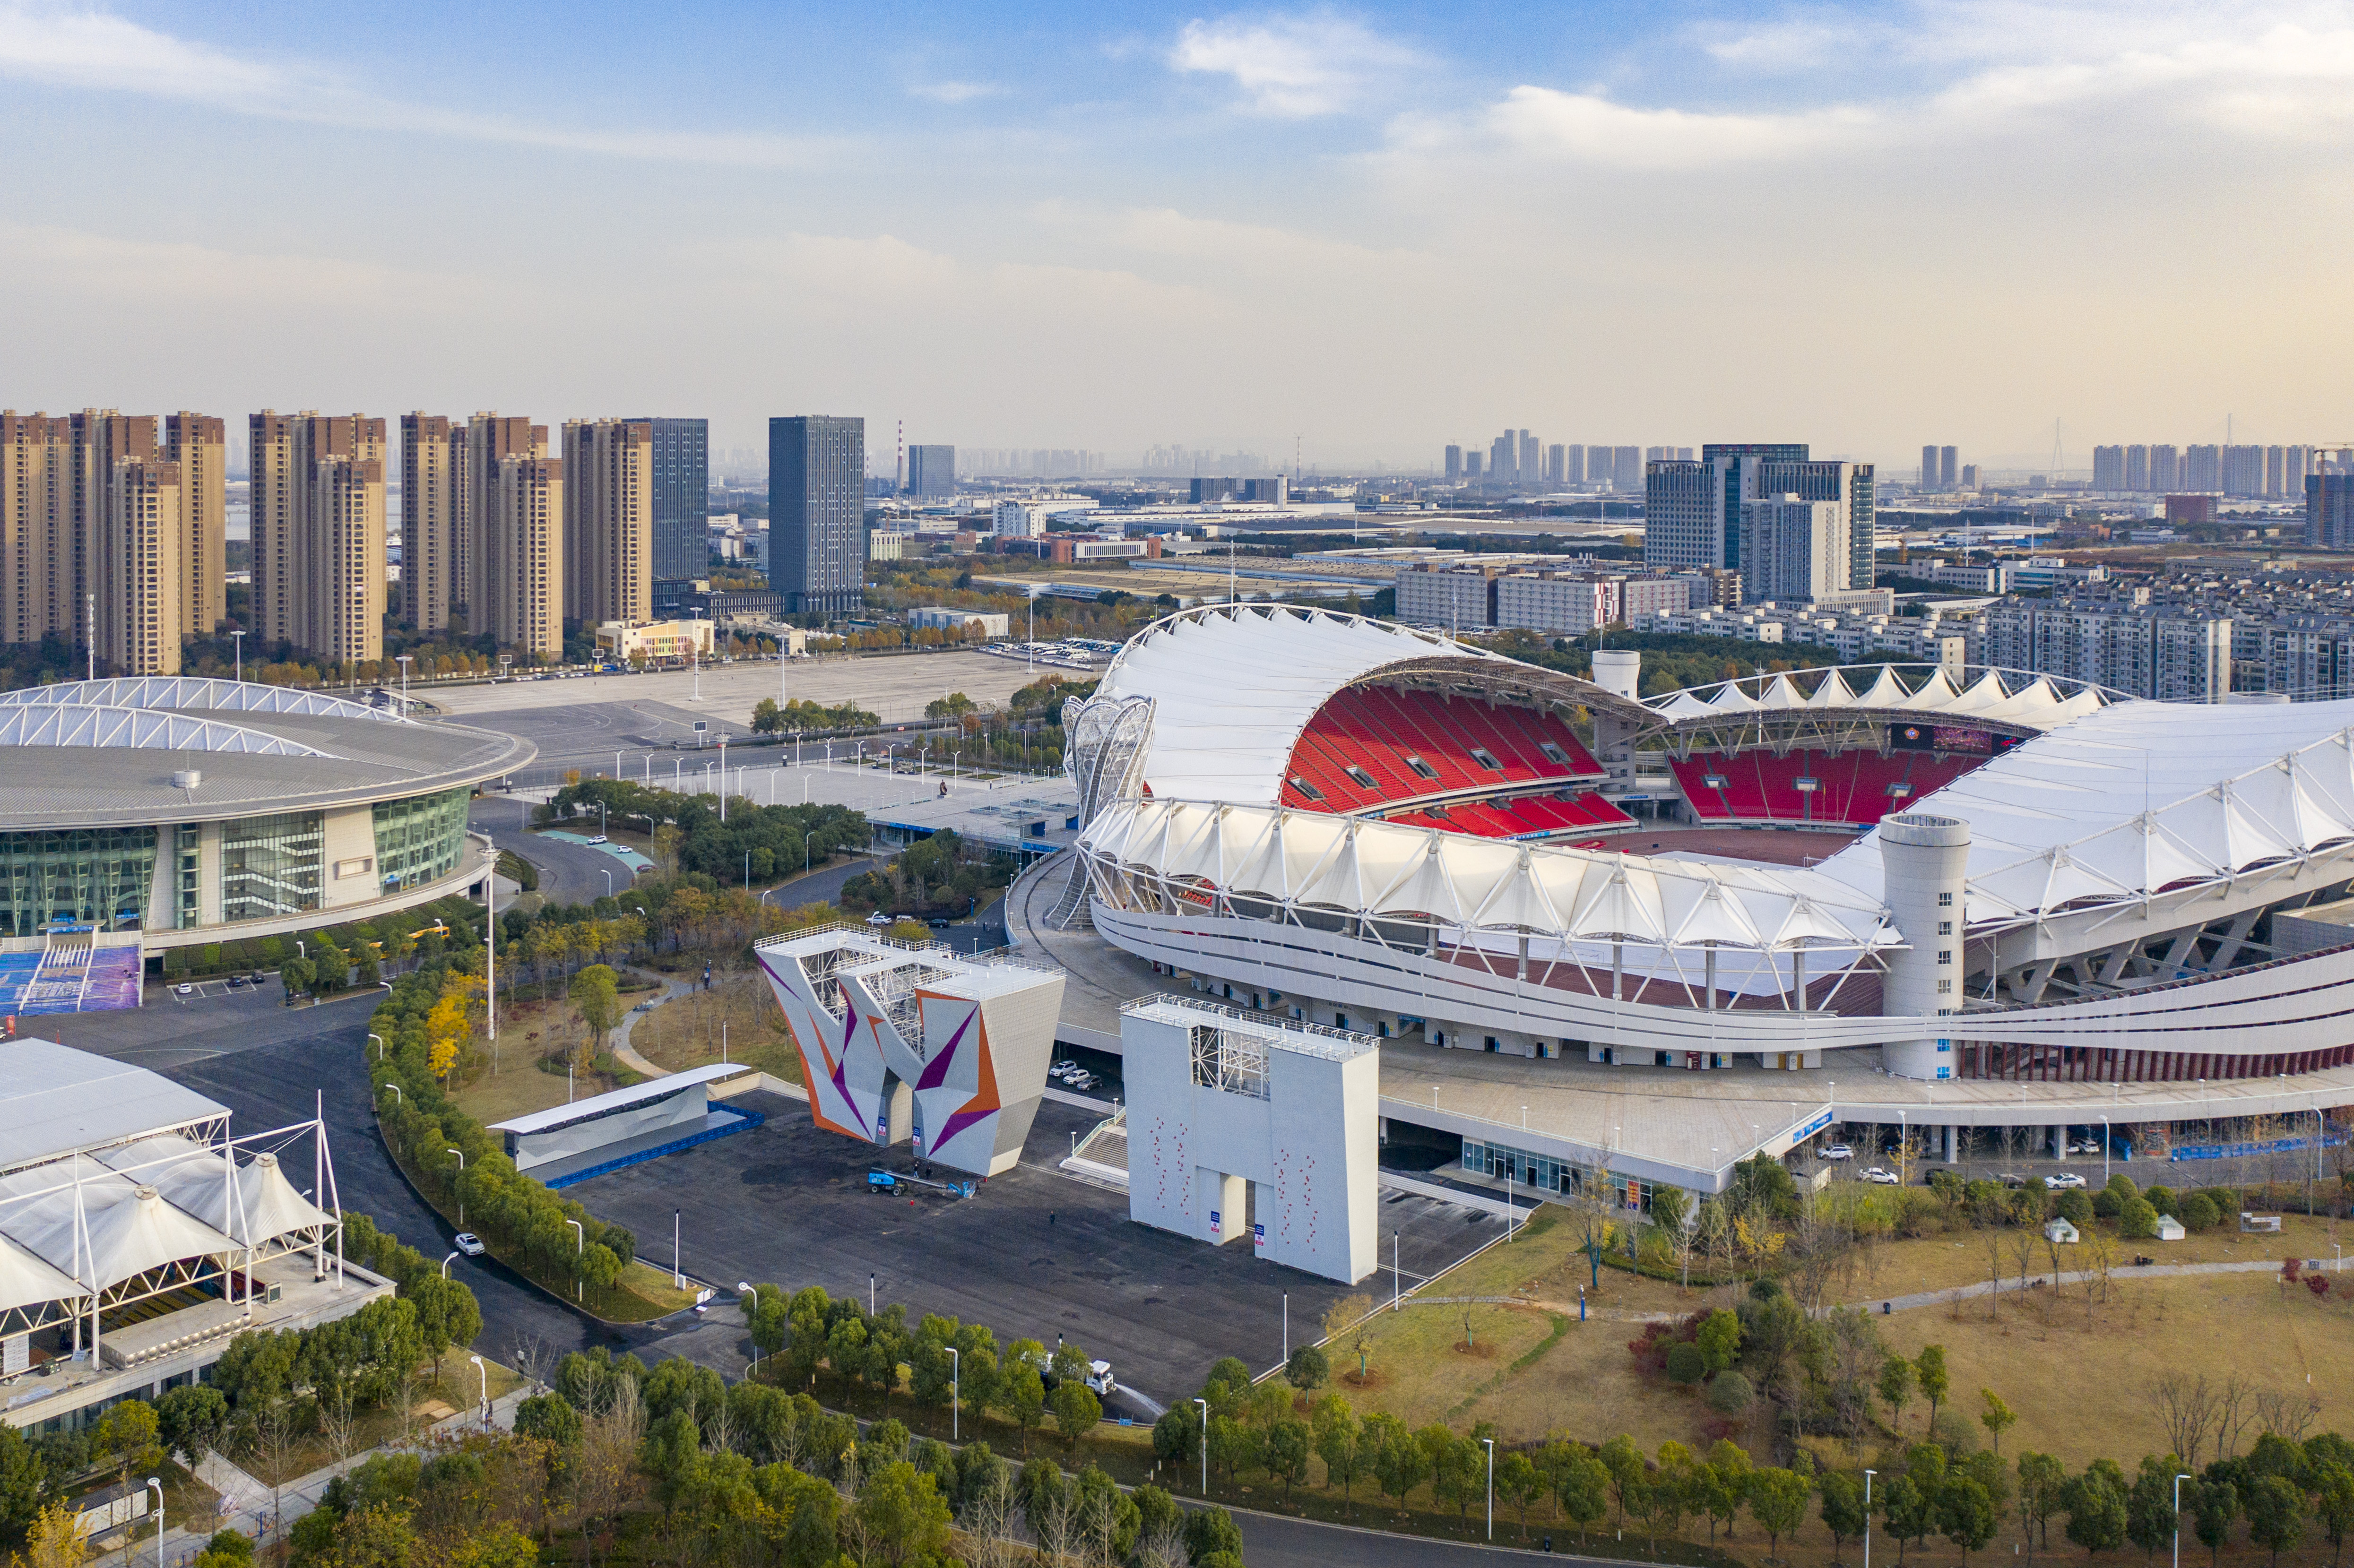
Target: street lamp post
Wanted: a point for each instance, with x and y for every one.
(461, 1171)
(746, 1288)
(956, 1391)
(240, 645)
(379, 1043)
(485, 1374)
(158, 1485)
(2178, 1520)
(445, 1266)
(579, 1249)
(1205, 1445)
(1867, 1517)
(404, 683)
(1491, 1486)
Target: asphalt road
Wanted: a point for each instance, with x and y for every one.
(568, 873)
(1035, 1254)
(269, 1064)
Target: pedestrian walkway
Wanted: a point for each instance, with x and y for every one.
(249, 1507)
(2071, 1276)
(622, 1053)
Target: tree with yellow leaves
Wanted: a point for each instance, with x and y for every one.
(451, 1024)
(56, 1540)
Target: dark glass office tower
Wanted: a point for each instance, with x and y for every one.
(682, 500)
(817, 512)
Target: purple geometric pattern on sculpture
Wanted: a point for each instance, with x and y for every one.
(841, 1071)
(958, 1122)
(936, 1068)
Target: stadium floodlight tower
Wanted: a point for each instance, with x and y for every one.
(1924, 859)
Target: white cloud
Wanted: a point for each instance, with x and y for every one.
(55, 45)
(955, 92)
(2013, 70)
(1292, 67)
(1593, 130)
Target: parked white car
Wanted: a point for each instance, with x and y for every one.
(2064, 1180)
(1839, 1152)
(1883, 1177)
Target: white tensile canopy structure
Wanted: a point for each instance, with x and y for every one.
(2139, 799)
(1313, 861)
(1232, 689)
(117, 1185)
(2008, 697)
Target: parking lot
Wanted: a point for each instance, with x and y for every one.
(1035, 1254)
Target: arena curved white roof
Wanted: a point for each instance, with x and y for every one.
(2139, 797)
(98, 725)
(192, 692)
(1982, 696)
(1232, 687)
(1369, 866)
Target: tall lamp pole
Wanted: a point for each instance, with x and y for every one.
(1205, 1445)
(1867, 1517)
(1491, 1486)
(2178, 1520)
(956, 1384)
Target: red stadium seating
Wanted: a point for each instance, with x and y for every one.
(1852, 789)
(1409, 744)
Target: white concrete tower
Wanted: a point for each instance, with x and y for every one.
(1618, 670)
(1924, 860)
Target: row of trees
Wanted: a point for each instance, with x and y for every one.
(938, 873)
(800, 716)
(687, 835)
(804, 1331)
(521, 1221)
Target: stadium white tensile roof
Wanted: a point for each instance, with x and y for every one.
(2140, 798)
(1232, 689)
(54, 1099)
(1984, 696)
(1366, 865)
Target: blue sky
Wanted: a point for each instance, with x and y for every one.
(1379, 228)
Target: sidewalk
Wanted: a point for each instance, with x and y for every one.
(246, 1498)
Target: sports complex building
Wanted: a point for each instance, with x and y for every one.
(147, 813)
(1657, 935)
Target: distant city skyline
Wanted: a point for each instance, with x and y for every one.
(1112, 228)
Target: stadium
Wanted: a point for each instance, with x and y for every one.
(2011, 901)
(142, 814)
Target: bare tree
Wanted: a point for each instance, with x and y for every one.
(991, 1537)
(608, 1456)
(1993, 1238)
(2235, 1406)
(2186, 1408)
(532, 1358)
(2291, 1414)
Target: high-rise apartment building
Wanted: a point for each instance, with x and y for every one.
(2135, 476)
(146, 588)
(1627, 468)
(494, 551)
(609, 510)
(1573, 464)
(1792, 549)
(817, 517)
(2109, 468)
(2203, 469)
(682, 498)
(1504, 459)
(318, 532)
(2329, 505)
(1928, 468)
(2244, 471)
(1531, 460)
(199, 444)
(524, 543)
(36, 586)
(1692, 510)
(931, 473)
(433, 495)
(1454, 464)
(2164, 469)
(1949, 460)
(99, 515)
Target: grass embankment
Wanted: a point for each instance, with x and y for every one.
(685, 1031)
(2036, 1349)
